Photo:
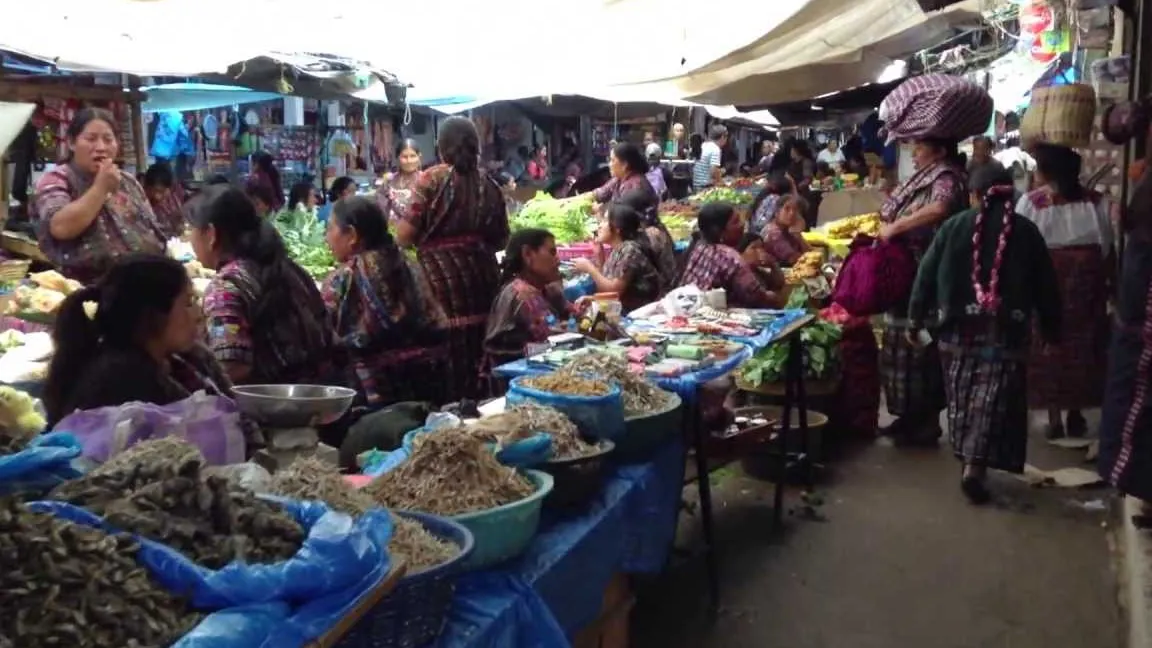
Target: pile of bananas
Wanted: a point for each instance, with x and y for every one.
(847, 228)
(806, 267)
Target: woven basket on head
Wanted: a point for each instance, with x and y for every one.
(1060, 115)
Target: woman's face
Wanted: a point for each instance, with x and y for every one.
(409, 161)
(94, 145)
(616, 166)
(343, 243)
(606, 233)
(348, 191)
(310, 200)
(786, 216)
(795, 154)
(184, 322)
(677, 131)
(543, 261)
(733, 231)
(204, 245)
(925, 154)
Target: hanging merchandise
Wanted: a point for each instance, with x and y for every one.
(1043, 37)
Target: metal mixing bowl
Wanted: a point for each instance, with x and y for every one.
(293, 406)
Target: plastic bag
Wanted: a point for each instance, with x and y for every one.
(247, 626)
(582, 286)
(599, 417)
(211, 423)
(337, 554)
(45, 463)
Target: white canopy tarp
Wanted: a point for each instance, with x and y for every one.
(826, 45)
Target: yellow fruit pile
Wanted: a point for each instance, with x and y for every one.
(806, 267)
(847, 228)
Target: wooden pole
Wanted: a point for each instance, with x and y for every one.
(138, 132)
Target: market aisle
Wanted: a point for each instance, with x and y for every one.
(902, 561)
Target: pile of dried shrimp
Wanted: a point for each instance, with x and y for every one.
(524, 420)
(568, 384)
(419, 549)
(640, 396)
(448, 473)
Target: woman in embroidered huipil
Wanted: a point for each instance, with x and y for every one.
(780, 239)
(630, 268)
(266, 322)
(628, 167)
(87, 211)
(713, 262)
(987, 273)
(389, 327)
(396, 193)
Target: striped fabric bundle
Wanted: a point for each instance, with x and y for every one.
(938, 106)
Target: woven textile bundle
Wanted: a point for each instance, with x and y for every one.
(938, 106)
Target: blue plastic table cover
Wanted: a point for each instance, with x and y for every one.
(767, 335)
(684, 385)
(556, 588)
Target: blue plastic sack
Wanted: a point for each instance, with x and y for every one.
(578, 287)
(526, 453)
(599, 417)
(337, 553)
(44, 464)
(245, 626)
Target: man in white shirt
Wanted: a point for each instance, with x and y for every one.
(1019, 164)
(707, 171)
(831, 155)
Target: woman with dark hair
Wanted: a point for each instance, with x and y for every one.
(628, 166)
(780, 238)
(388, 323)
(458, 221)
(530, 306)
(132, 336)
(713, 261)
(630, 268)
(166, 197)
(1077, 225)
(302, 197)
(395, 193)
(87, 211)
(262, 198)
(266, 321)
(766, 269)
(801, 164)
(764, 206)
(264, 182)
(342, 187)
(986, 273)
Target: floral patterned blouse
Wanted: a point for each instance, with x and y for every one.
(395, 194)
(783, 245)
(714, 265)
(295, 350)
(940, 182)
(520, 317)
(631, 262)
(124, 225)
(617, 187)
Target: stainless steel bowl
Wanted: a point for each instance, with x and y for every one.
(293, 406)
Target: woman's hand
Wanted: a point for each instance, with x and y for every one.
(889, 230)
(583, 265)
(108, 177)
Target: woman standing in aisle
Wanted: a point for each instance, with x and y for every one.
(1077, 225)
(628, 167)
(387, 321)
(458, 221)
(264, 180)
(266, 322)
(987, 273)
(87, 211)
(933, 112)
(396, 192)
(630, 268)
(713, 261)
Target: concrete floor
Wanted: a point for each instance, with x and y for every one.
(902, 560)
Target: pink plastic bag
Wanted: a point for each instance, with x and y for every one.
(211, 423)
(876, 277)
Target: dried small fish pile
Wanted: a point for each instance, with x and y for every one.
(147, 462)
(449, 472)
(173, 452)
(524, 420)
(208, 520)
(64, 584)
(419, 549)
(13, 440)
(568, 384)
(313, 479)
(639, 395)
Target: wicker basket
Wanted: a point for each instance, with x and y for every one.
(1060, 115)
(13, 271)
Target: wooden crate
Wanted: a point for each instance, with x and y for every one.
(612, 628)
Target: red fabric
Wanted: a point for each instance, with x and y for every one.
(876, 277)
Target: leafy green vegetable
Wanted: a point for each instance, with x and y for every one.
(569, 220)
(303, 235)
(798, 298)
(724, 194)
(820, 340)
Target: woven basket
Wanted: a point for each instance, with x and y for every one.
(14, 271)
(1060, 115)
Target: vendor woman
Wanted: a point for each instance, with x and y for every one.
(630, 268)
(912, 376)
(88, 212)
(628, 167)
(713, 261)
(531, 305)
(781, 240)
(396, 192)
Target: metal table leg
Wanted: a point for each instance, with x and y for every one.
(704, 489)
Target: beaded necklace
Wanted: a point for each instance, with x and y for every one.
(988, 298)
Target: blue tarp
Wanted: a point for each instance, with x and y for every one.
(556, 588)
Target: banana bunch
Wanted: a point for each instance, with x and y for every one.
(806, 267)
(847, 228)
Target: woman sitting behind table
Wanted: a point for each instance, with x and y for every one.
(302, 197)
(87, 211)
(388, 324)
(764, 206)
(628, 167)
(756, 255)
(166, 197)
(630, 268)
(658, 239)
(133, 336)
(266, 321)
(714, 263)
(780, 237)
(342, 187)
(531, 305)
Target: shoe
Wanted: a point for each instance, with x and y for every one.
(1076, 424)
(1052, 432)
(975, 490)
(926, 435)
(894, 429)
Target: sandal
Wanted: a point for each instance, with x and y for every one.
(1076, 424)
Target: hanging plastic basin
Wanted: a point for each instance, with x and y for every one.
(414, 614)
(645, 433)
(504, 532)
